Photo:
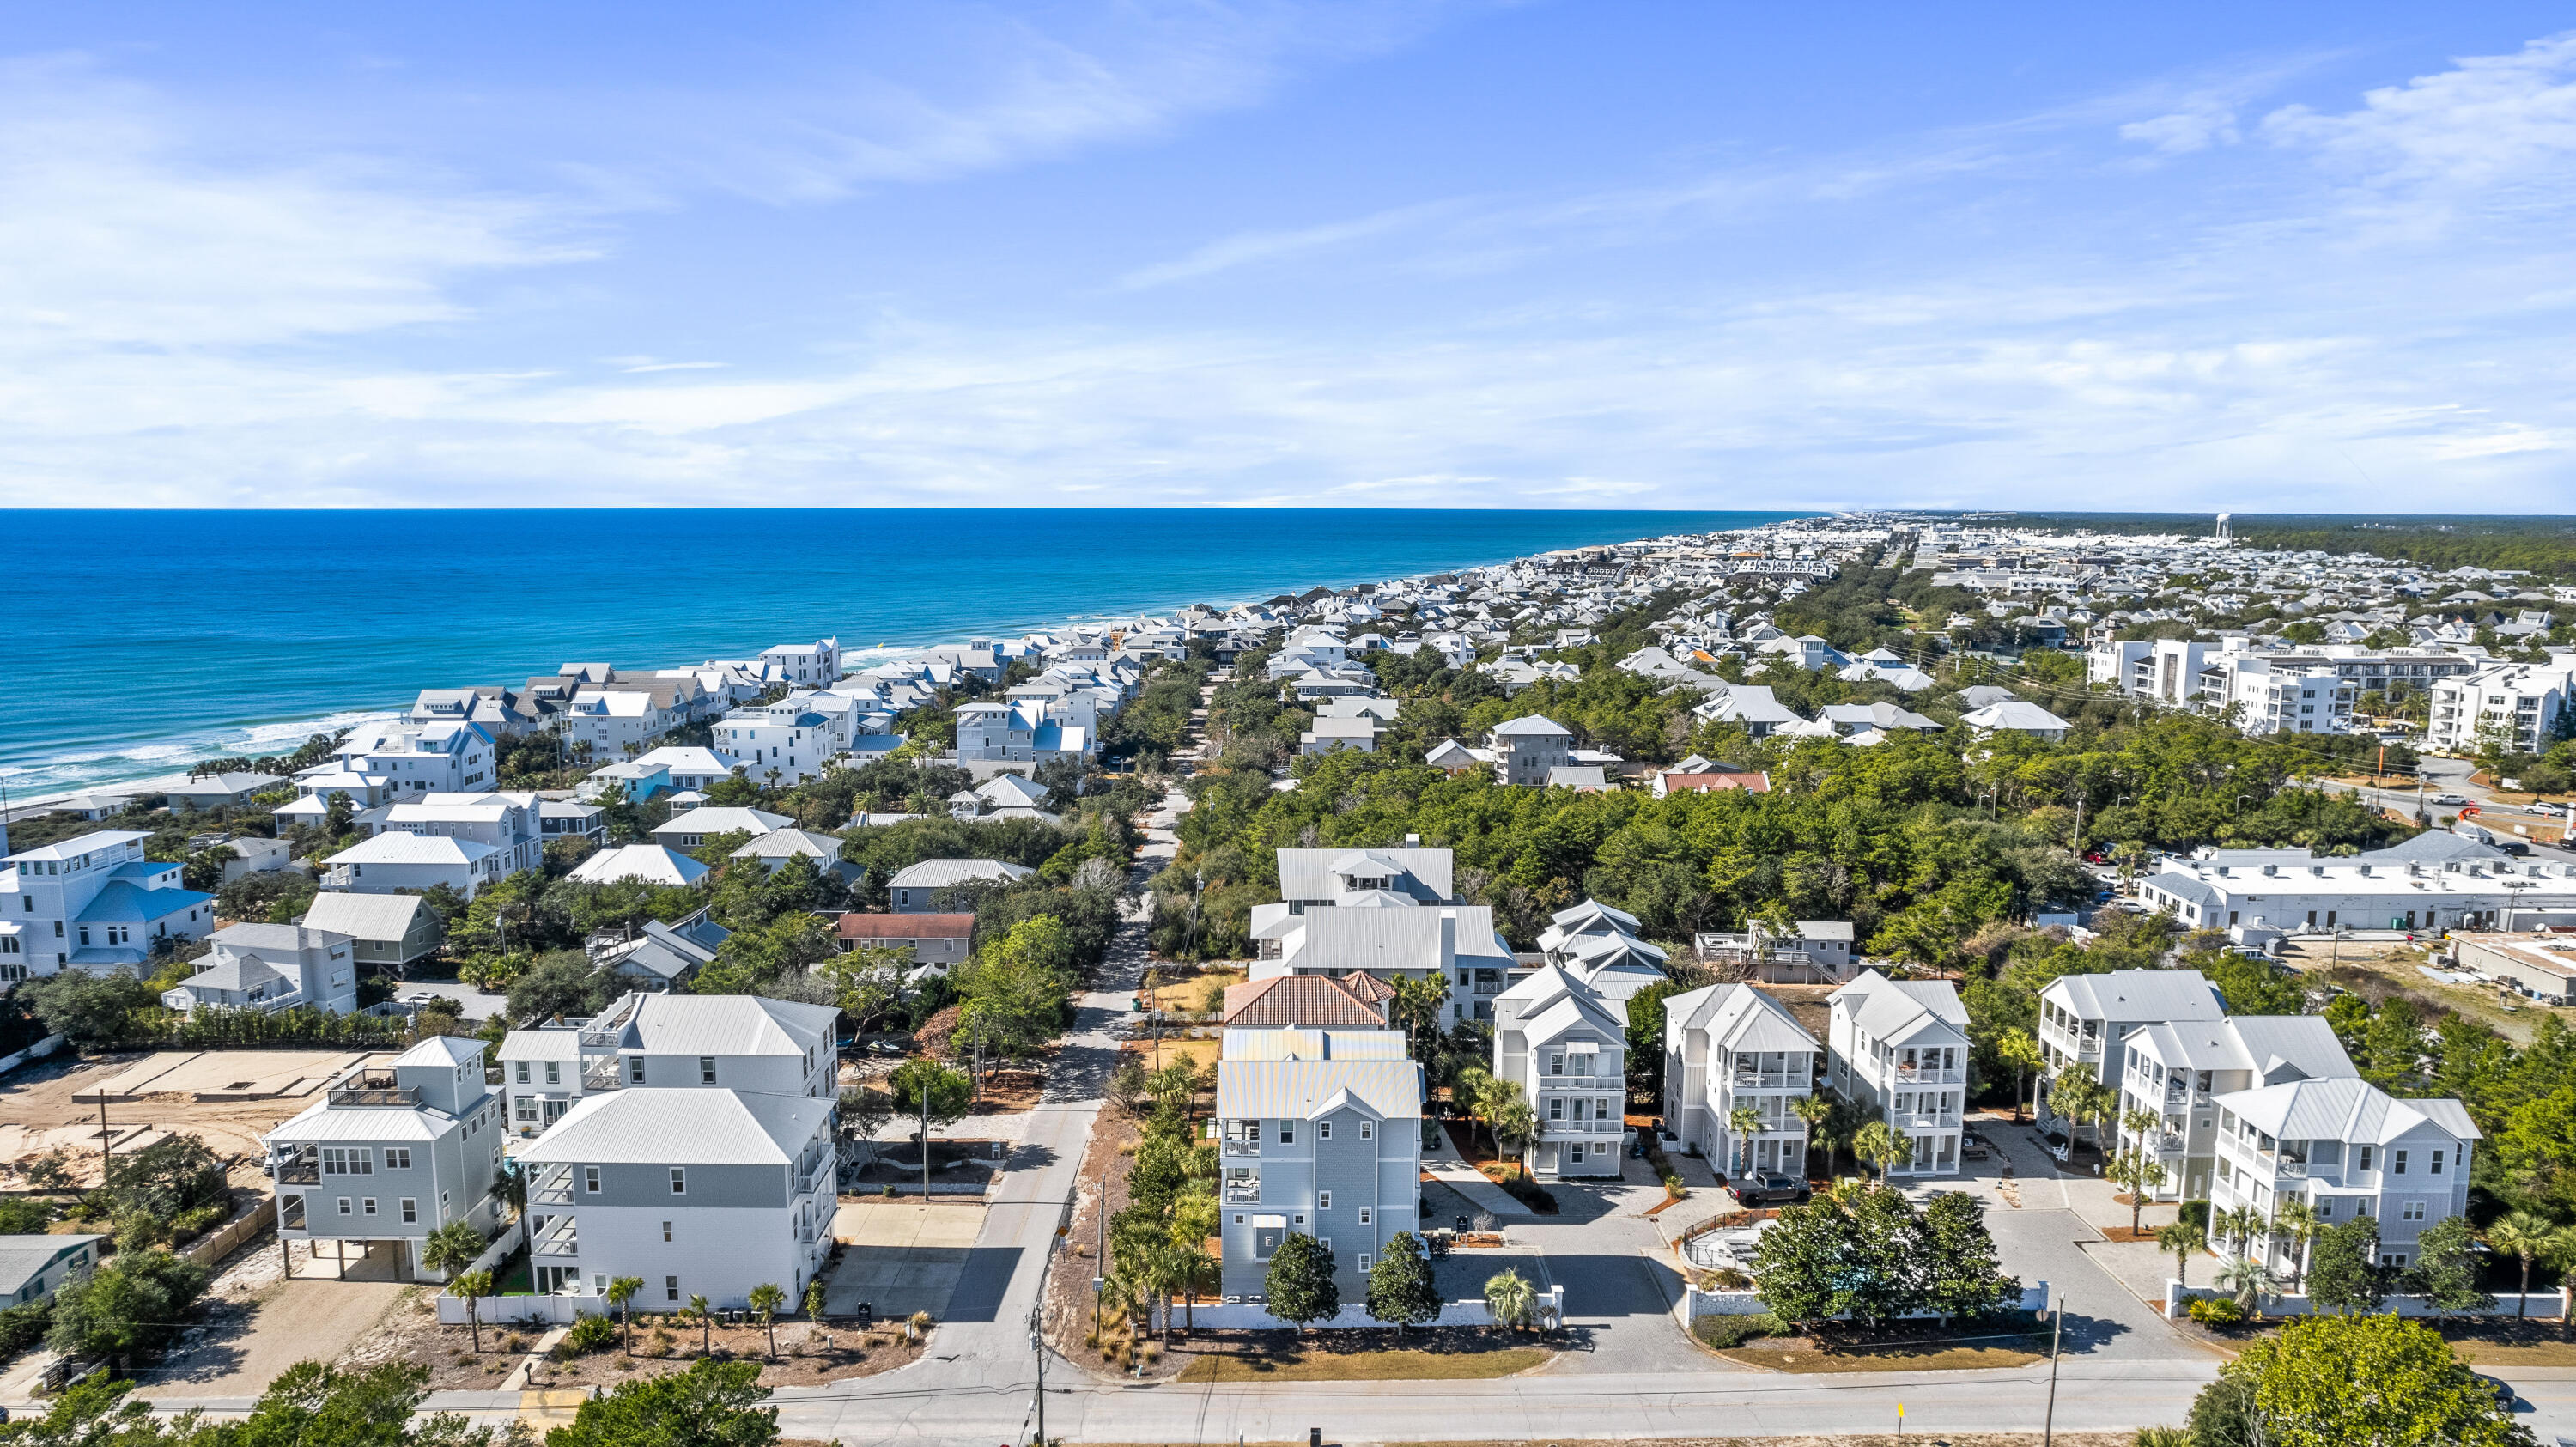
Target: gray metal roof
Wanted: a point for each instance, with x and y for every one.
(24, 1258)
(1298, 1043)
(2277, 1048)
(1888, 1009)
(1309, 873)
(1737, 1018)
(2141, 995)
(291, 938)
(728, 1025)
(364, 916)
(2346, 1109)
(647, 1125)
(944, 873)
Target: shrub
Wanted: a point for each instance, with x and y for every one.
(23, 1326)
(2217, 1312)
(1530, 1193)
(1722, 1332)
(1674, 1188)
(514, 1343)
(2196, 1213)
(1725, 1278)
(589, 1334)
(197, 1220)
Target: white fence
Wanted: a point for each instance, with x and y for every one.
(1696, 1303)
(1548, 1308)
(2546, 1305)
(522, 1310)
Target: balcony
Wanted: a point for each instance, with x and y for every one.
(560, 1238)
(551, 1186)
(1243, 1190)
(1235, 1148)
(303, 1169)
(811, 1178)
(601, 1074)
(1922, 1075)
(1769, 1080)
(374, 1088)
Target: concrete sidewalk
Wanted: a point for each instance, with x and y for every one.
(1451, 1170)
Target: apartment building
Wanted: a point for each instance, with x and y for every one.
(391, 1154)
(697, 1192)
(1565, 1045)
(2348, 1149)
(1727, 1046)
(2179, 1071)
(2430, 888)
(92, 902)
(1899, 1050)
(678, 1042)
(272, 967)
(2515, 704)
(1319, 1133)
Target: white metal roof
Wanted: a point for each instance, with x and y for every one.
(647, 1125)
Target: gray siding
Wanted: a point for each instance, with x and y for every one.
(709, 1186)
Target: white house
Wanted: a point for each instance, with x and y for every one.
(92, 902)
(1016, 733)
(2084, 1018)
(2349, 1149)
(1899, 1050)
(400, 861)
(271, 967)
(690, 767)
(1727, 1046)
(509, 823)
(651, 863)
(697, 826)
(2179, 1070)
(678, 1042)
(810, 664)
(2016, 717)
(391, 1154)
(416, 759)
(1527, 750)
(1565, 1046)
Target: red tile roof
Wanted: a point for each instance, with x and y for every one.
(1308, 1000)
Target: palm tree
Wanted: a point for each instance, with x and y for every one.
(706, 1324)
(1467, 1090)
(2294, 1219)
(2244, 1225)
(814, 1300)
(2020, 1050)
(1744, 1123)
(473, 1286)
(2185, 1241)
(2142, 1124)
(451, 1248)
(1514, 1124)
(766, 1298)
(2527, 1236)
(621, 1298)
(2250, 1280)
(1510, 1298)
(1812, 1110)
(1882, 1145)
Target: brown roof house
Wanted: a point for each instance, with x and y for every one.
(1310, 1001)
(934, 939)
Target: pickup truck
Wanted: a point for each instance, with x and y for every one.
(1763, 1190)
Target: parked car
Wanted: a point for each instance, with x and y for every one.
(2450, 799)
(1971, 1148)
(1761, 1190)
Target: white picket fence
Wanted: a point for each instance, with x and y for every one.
(1549, 1307)
(553, 1310)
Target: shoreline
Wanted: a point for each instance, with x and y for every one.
(281, 734)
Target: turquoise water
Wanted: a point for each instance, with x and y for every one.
(144, 640)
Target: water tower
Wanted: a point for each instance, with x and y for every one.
(2223, 535)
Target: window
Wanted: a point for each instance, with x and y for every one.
(1324, 1201)
(398, 1158)
(2397, 1163)
(2435, 1165)
(1365, 1215)
(527, 1107)
(2411, 1211)
(1287, 1132)
(1574, 1154)
(679, 1181)
(635, 1070)
(670, 1288)
(1238, 1220)
(2362, 1162)
(348, 1161)
(344, 1205)
(706, 1070)
(554, 1072)
(410, 1210)
(523, 1072)
(1323, 1130)
(590, 1179)
(1368, 1130)
(1556, 1065)
(1556, 1107)
(666, 1232)
(1364, 1261)
(370, 1205)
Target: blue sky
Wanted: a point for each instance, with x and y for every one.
(2279, 257)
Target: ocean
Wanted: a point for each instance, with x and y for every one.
(142, 641)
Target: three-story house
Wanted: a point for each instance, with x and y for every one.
(2178, 1071)
(389, 1155)
(1565, 1045)
(725, 1042)
(1732, 1046)
(1319, 1133)
(1899, 1050)
(2349, 1149)
(2083, 1018)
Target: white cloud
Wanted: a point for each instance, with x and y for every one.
(2183, 132)
(2488, 121)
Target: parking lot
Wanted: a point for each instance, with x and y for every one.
(902, 1256)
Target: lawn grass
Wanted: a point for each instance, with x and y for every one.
(1405, 1364)
(1911, 1347)
(2507, 1342)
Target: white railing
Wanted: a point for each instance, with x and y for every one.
(561, 1237)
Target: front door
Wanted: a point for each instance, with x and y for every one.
(555, 1110)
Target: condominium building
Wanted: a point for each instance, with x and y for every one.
(2516, 705)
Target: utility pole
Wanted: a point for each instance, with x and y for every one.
(103, 1148)
(925, 1142)
(2056, 1330)
(1037, 1344)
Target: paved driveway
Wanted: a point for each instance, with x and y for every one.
(904, 1255)
(1619, 1278)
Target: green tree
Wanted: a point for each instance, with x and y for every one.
(712, 1404)
(706, 1318)
(2020, 1050)
(173, 1174)
(1300, 1282)
(314, 1403)
(1514, 1122)
(2346, 1381)
(2445, 1269)
(1417, 1005)
(1801, 1263)
(90, 1011)
(472, 1287)
(1743, 1123)
(2137, 1171)
(767, 1298)
(1400, 1289)
(1881, 1145)
(1511, 1298)
(814, 1299)
(2249, 1280)
(1963, 1272)
(132, 1304)
(451, 1248)
(2295, 1221)
(1017, 987)
(621, 1299)
(2184, 1241)
(2344, 1274)
(866, 983)
(2528, 1236)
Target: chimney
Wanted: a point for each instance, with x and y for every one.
(1412, 841)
